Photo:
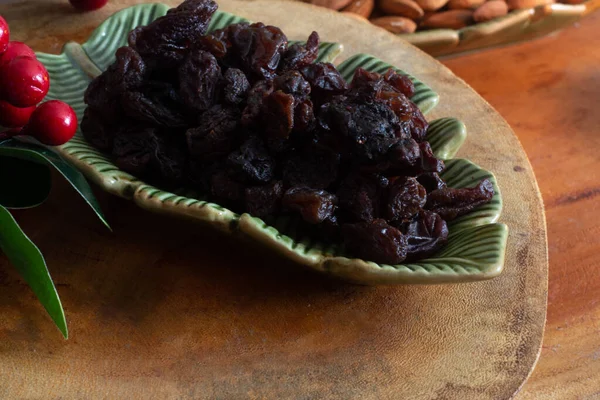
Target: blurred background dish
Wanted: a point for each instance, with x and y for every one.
(445, 27)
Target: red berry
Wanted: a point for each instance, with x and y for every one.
(52, 123)
(14, 117)
(4, 35)
(24, 81)
(16, 49)
(88, 5)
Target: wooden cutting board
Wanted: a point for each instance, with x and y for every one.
(162, 308)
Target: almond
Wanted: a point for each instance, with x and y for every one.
(490, 10)
(452, 19)
(520, 4)
(396, 24)
(364, 8)
(431, 5)
(464, 4)
(332, 4)
(403, 8)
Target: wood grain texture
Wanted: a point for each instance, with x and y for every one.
(549, 91)
(163, 309)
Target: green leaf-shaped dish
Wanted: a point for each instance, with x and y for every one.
(476, 245)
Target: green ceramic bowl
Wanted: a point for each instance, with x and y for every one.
(476, 246)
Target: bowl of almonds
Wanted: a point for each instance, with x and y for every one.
(444, 27)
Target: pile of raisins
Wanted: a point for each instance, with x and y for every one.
(257, 124)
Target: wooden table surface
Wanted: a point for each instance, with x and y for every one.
(548, 90)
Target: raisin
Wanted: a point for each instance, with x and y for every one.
(213, 44)
(419, 125)
(325, 81)
(126, 73)
(314, 206)
(450, 203)
(259, 48)
(299, 55)
(144, 109)
(304, 117)
(425, 235)
(405, 199)
(405, 154)
(367, 128)
(96, 132)
(400, 82)
(293, 83)
(278, 114)
(236, 86)
(169, 161)
(330, 229)
(431, 181)
(199, 76)
(167, 39)
(251, 162)
(265, 200)
(314, 167)
(133, 149)
(360, 195)
(375, 241)
(428, 162)
(224, 187)
(213, 138)
(256, 97)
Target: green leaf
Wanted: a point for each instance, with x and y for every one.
(41, 154)
(23, 184)
(28, 260)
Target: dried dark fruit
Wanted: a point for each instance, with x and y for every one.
(278, 114)
(259, 127)
(256, 98)
(425, 235)
(259, 48)
(299, 55)
(133, 149)
(400, 159)
(375, 241)
(292, 82)
(169, 161)
(126, 73)
(236, 86)
(428, 161)
(224, 187)
(400, 82)
(406, 197)
(213, 138)
(199, 76)
(431, 181)
(368, 129)
(142, 108)
(213, 44)
(313, 166)
(360, 195)
(96, 132)
(304, 117)
(325, 81)
(315, 206)
(450, 203)
(251, 162)
(262, 201)
(167, 40)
